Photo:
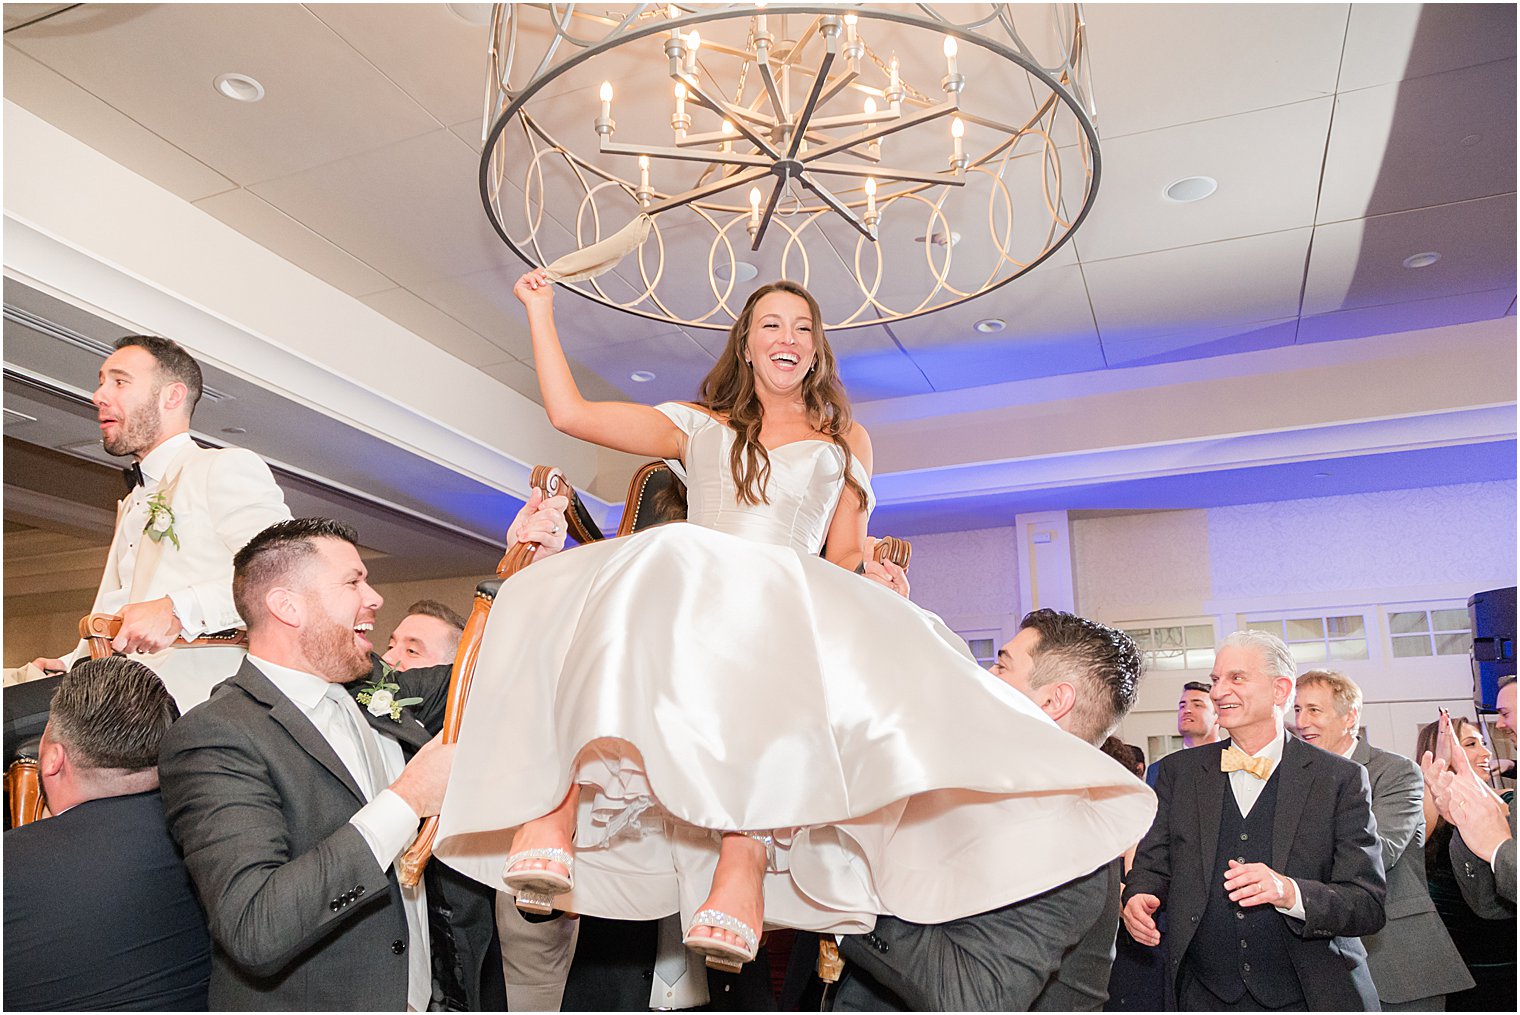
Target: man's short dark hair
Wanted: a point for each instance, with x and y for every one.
(1505, 681)
(174, 364)
(1196, 685)
(433, 608)
(111, 714)
(273, 554)
(1100, 661)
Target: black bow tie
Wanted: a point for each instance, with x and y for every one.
(133, 476)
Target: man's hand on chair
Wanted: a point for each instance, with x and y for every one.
(147, 627)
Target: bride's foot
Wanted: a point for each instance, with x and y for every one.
(540, 864)
(727, 927)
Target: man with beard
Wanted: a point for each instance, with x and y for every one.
(291, 805)
(188, 509)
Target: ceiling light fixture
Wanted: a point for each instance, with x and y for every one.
(641, 376)
(239, 87)
(809, 134)
(991, 325)
(1424, 260)
(1190, 189)
(739, 271)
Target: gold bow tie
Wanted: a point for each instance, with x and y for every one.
(1235, 760)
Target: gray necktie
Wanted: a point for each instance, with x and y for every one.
(372, 777)
(670, 953)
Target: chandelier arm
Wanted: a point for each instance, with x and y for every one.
(687, 155)
(800, 123)
(839, 207)
(769, 213)
(720, 105)
(716, 187)
(903, 123)
(942, 178)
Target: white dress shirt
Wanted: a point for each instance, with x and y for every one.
(1247, 789)
(387, 823)
(134, 519)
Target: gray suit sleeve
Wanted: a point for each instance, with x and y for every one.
(1350, 902)
(263, 906)
(996, 961)
(1489, 891)
(1398, 804)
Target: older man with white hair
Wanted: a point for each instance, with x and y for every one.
(1264, 853)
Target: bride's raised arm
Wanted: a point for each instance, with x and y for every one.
(621, 426)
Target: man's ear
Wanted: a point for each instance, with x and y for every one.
(1058, 699)
(52, 758)
(171, 397)
(285, 605)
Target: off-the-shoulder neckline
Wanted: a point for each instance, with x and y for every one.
(769, 450)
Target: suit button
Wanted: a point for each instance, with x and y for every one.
(1239, 915)
(398, 946)
(1240, 859)
(359, 892)
(1242, 942)
(1245, 967)
(1193, 919)
(335, 905)
(1244, 837)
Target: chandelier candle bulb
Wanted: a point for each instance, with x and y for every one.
(681, 122)
(693, 43)
(870, 197)
(728, 130)
(604, 124)
(644, 192)
(754, 208)
(951, 48)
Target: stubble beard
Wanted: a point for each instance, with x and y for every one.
(330, 650)
(137, 433)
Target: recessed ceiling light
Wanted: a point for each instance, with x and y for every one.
(1470, 140)
(991, 325)
(743, 271)
(938, 239)
(1322, 475)
(234, 429)
(1424, 260)
(472, 14)
(239, 87)
(641, 376)
(1191, 188)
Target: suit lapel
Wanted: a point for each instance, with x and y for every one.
(1292, 795)
(1212, 784)
(110, 578)
(151, 550)
(289, 715)
(407, 729)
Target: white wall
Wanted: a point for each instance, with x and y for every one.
(971, 579)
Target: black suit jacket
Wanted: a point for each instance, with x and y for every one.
(1323, 838)
(301, 915)
(99, 913)
(1049, 953)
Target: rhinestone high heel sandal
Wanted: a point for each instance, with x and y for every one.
(534, 887)
(722, 955)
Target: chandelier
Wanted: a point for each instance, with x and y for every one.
(894, 159)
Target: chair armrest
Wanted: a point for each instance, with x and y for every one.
(97, 630)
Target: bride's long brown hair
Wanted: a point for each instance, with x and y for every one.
(729, 388)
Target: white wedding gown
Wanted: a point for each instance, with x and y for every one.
(720, 675)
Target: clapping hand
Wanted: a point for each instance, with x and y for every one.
(540, 521)
(1464, 799)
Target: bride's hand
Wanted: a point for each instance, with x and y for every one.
(534, 289)
(540, 521)
(888, 574)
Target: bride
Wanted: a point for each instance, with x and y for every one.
(713, 711)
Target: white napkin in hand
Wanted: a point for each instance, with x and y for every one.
(589, 262)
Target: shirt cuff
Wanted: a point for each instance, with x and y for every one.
(1493, 858)
(388, 825)
(187, 608)
(1297, 909)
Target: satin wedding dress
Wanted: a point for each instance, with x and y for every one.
(718, 674)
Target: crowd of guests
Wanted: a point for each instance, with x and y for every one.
(241, 849)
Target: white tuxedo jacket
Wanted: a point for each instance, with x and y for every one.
(220, 499)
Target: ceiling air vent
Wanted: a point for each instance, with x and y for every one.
(14, 418)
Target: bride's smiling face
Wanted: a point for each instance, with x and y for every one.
(780, 345)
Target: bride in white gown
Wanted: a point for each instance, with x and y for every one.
(714, 718)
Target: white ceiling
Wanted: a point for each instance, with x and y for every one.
(1344, 138)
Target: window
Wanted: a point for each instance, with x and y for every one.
(1319, 640)
(1433, 632)
(1159, 747)
(1175, 647)
(983, 645)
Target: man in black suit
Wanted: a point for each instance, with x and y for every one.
(292, 805)
(1264, 853)
(99, 911)
(1049, 953)
(1413, 962)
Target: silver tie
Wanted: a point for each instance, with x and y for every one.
(371, 777)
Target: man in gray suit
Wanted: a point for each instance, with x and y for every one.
(1413, 961)
(291, 806)
(1049, 953)
(1483, 851)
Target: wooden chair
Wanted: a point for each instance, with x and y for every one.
(656, 496)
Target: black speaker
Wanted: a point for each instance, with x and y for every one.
(1493, 652)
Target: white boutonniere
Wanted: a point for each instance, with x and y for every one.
(160, 525)
(379, 696)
